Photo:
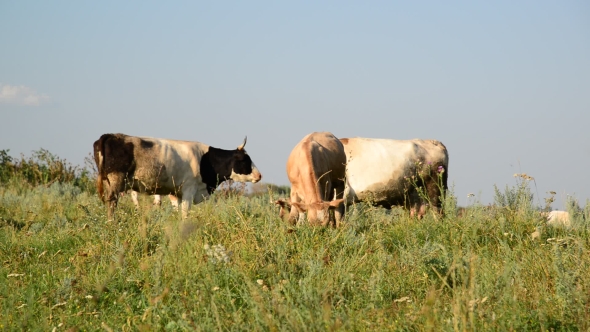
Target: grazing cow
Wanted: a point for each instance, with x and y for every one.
(385, 172)
(188, 170)
(316, 169)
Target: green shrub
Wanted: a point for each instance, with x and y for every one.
(44, 168)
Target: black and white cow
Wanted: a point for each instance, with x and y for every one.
(386, 172)
(189, 170)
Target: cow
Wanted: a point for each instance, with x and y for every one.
(386, 172)
(189, 170)
(316, 169)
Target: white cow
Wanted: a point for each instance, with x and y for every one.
(385, 172)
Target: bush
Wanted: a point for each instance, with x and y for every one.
(44, 168)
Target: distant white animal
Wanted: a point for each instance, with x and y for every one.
(558, 218)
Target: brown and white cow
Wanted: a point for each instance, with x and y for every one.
(386, 172)
(316, 169)
(189, 170)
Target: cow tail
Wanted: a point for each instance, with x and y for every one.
(445, 173)
(100, 149)
(445, 177)
(443, 166)
(440, 172)
(99, 187)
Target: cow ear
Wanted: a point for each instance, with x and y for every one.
(335, 203)
(241, 147)
(284, 203)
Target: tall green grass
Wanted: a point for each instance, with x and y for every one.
(234, 265)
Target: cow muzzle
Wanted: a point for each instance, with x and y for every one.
(253, 177)
(256, 176)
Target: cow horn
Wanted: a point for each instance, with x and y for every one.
(241, 147)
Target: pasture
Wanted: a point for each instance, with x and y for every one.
(234, 265)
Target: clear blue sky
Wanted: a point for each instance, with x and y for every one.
(504, 84)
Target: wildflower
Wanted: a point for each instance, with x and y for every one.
(59, 305)
(403, 299)
(524, 176)
(475, 302)
(470, 195)
(440, 169)
(260, 282)
(217, 253)
(15, 275)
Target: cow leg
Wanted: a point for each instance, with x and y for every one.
(185, 206)
(112, 205)
(339, 211)
(189, 196)
(418, 209)
(338, 215)
(348, 196)
(416, 203)
(185, 203)
(135, 199)
(114, 186)
(411, 203)
(434, 192)
(157, 200)
(422, 210)
(295, 215)
(173, 201)
(300, 217)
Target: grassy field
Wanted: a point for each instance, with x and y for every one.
(234, 265)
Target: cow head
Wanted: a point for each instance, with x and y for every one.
(242, 167)
(285, 206)
(316, 212)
